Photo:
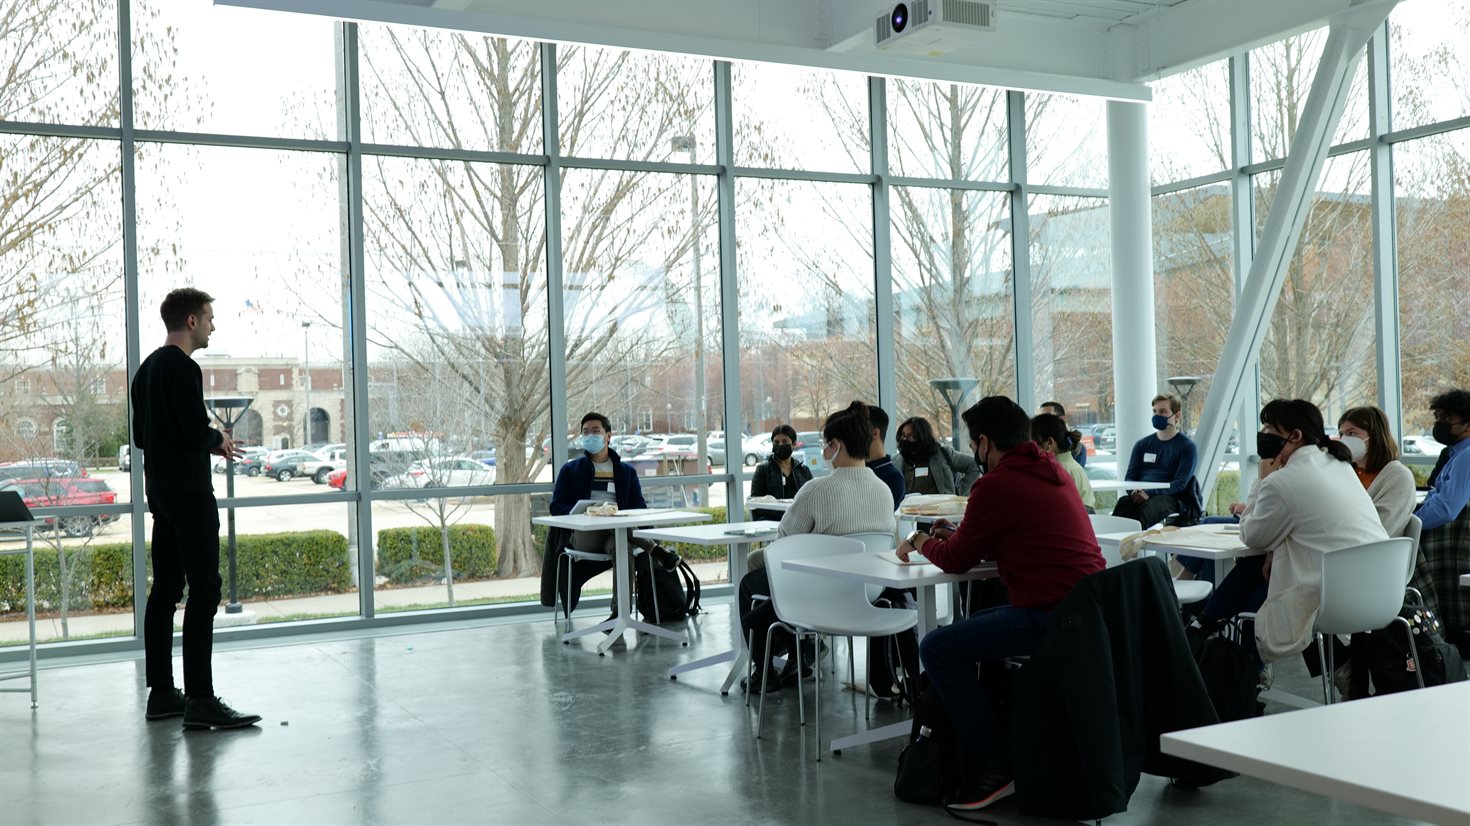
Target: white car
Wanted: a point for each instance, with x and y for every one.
(328, 460)
(450, 471)
(756, 449)
(1421, 446)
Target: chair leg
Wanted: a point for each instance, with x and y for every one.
(1326, 675)
(765, 671)
(749, 672)
(816, 695)
(795, 656)
(1328, 640)
(1413, 649)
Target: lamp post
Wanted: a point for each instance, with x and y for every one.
(306, 368)
(954, 391)
(228, 411)
(1184, 385)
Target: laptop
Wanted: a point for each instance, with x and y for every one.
(13, 508)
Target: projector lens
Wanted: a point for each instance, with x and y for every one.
(900, 17)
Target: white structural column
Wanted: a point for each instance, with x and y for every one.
(1135, 370)
(1348, 34)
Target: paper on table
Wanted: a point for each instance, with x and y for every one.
(914, 558)
(932, 504)
(642, 511)
(1201, 536)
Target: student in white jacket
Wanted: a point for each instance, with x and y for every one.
(1307, 501)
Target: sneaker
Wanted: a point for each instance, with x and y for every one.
(164, 703)
(211, 712)
(992, 784)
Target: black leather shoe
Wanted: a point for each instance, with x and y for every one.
(164, 703)
(211, 712)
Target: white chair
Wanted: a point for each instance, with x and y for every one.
(1187, 591)
(572, 555)
(1414, 530)
(1361, 592)
(813, 604)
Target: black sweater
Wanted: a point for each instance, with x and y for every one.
(171, 425)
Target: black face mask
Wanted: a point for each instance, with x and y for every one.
(1269, 445)
(980, 460)
(782, 452)
(1441, 433)
(910, 451)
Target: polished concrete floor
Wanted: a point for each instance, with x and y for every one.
(495, 724)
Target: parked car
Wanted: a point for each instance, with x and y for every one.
(327, 460)
(716, 448)
(338, 479)
(1421, 446)
(248, 465)
(1105, 438)
(808, 449)
(449, 471)
(628, 446)
(125, 458)
(756, 449)
(484, 457)
(39, 468)
(284, 465)
(61, 491)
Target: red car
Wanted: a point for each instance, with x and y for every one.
(338, 478)
(61, 491)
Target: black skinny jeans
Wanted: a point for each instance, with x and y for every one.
(185, 550)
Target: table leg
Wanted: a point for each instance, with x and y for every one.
(31, 603)
(622, 559)
(738, 554)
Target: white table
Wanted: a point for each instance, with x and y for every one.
(733, 536)
(621, 525)
(1180, 547)
(1465, 580)
(1403, 753)
(778, 506)
(870, 569)
(28, 528)
(1120, 485)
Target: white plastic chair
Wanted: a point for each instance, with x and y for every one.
(813, 604)
(572, 555)
(1414, 530)
(1361, 592)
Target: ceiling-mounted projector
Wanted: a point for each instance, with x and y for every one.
(933, 27)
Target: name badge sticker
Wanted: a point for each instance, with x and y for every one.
(1150, 457)
(921, 471)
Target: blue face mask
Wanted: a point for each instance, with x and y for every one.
(1161, 423)
(593, 443)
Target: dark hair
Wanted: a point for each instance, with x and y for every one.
(923, 433)
(1453, 402)
(597, 417)
(852, 427)
(180, 304)
(1381, 449)
(1050, 426)
(1287, 415)
(1002, 420)
(784, 430)
(879, 419)
(1174, 404)
(1061, 411)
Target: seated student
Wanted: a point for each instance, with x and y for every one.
(929, 465)
(1050, 432)
(1307, 501)
(780, 475)
(1446, 514)
(847, 501)
(1165, 456)
(1024, 514)
(883, 466)
(1079, 450)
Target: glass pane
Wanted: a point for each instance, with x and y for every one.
(952, 299)
(635, 105)
(1066, 141)
(1281, 76)
(271, 257)
(642, 307)
(792, 118)
(946, 130)
(1072, 315)
(1322, 339)
(83, 585)
(210, 68)
(1189, 123)
(1430, 78)
(63, 380)
(424, 87)
(457, 331)
(1194, 285)
(807, 345)
(1434, 257)
(58, 61)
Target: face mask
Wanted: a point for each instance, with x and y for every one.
(1356, 446)
(1269, 445)
(910, 451)
(1161, 423)
(1441, 433)
(980, 460)
(593, 443)
(781, 451)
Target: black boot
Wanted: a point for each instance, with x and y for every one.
(164, 703)
(211, 712)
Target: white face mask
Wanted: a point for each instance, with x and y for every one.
(1358, 447)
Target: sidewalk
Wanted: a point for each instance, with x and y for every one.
(332, 605)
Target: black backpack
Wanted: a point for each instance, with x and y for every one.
(1385, 653)
(1229, 672)
(676, 599)
(929, 766)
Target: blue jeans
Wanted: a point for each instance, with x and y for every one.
(1205, 568)
(950, 655)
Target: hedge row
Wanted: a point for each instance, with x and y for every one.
(415, 554)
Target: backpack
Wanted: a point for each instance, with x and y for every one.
(929, 766)
(678, 592)
(1385, 653)
(1229, 672)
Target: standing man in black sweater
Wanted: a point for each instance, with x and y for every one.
(172, 428)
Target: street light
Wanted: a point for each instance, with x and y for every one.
(306, 368)
(1183, 386)
(954, 391)
(228, 410)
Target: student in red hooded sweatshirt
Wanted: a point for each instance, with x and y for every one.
(1025, 515)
